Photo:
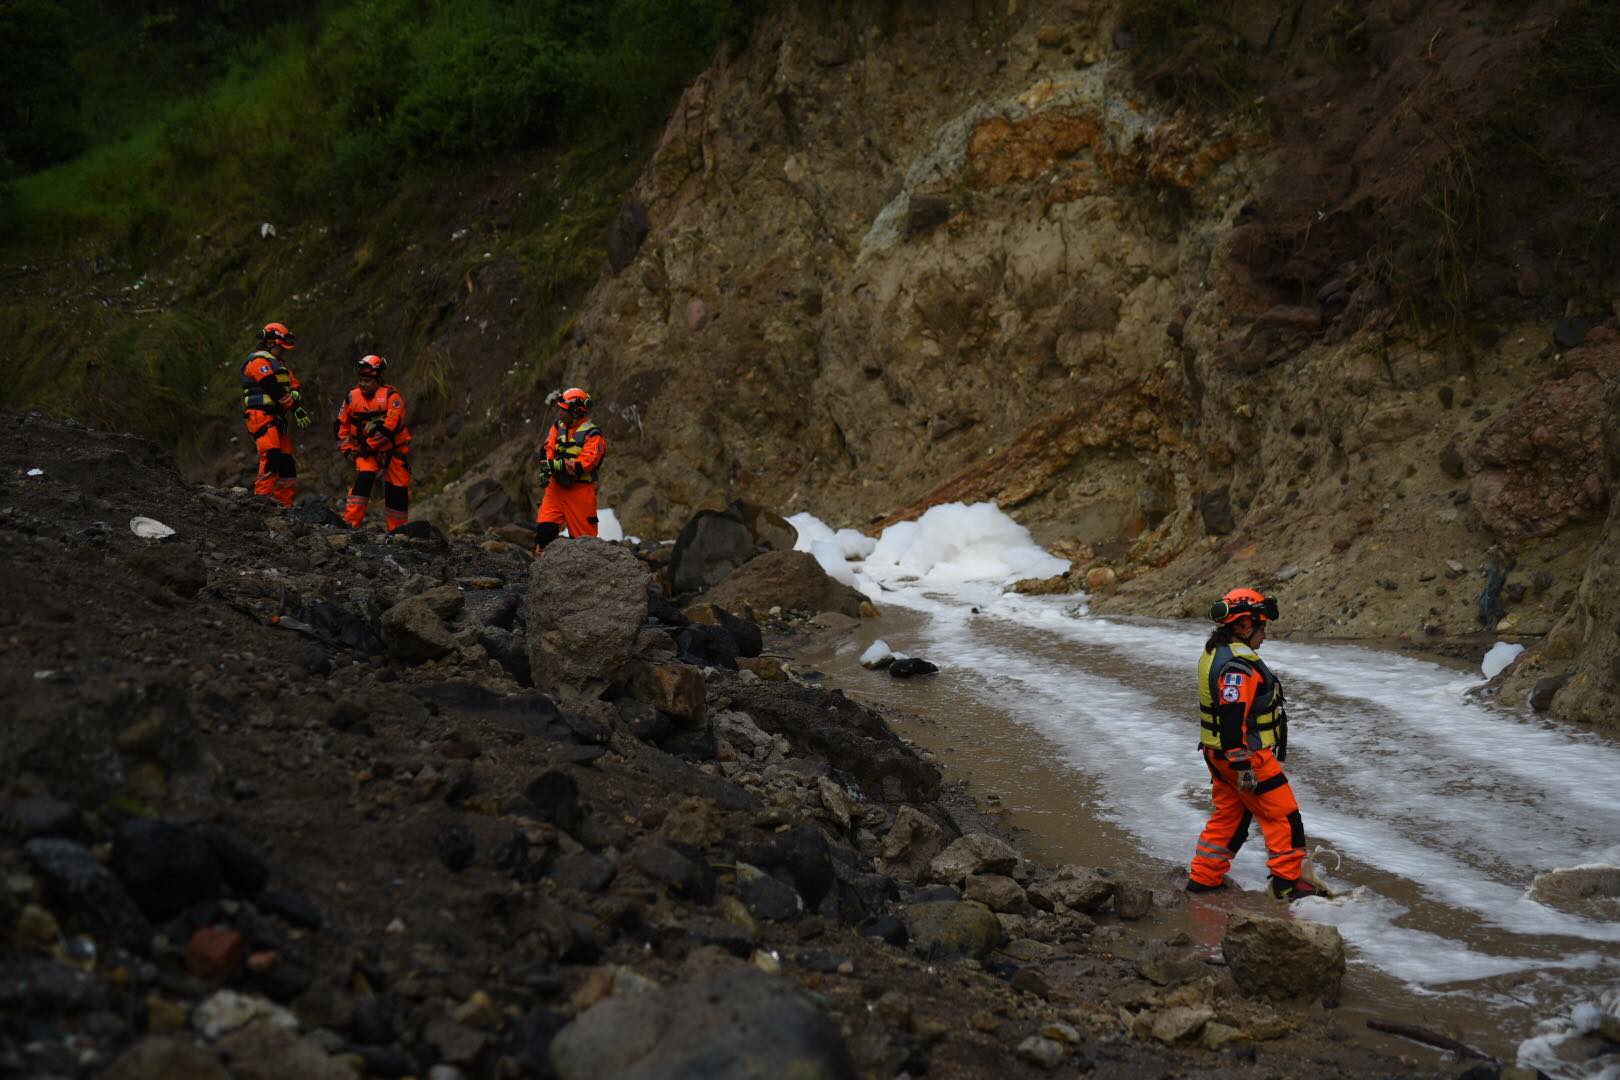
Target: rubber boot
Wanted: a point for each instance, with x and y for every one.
(1200, 887)
(1291, 889)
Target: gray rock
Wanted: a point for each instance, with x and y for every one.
(976, 853)
(43, 816)
(740, 1024)
(791, 580)
(1132, 901)
(940, 928)
(1451, 461)
(1542, 694)
(911, 843)
(710, 546)
(413, 633)
(1169, 965)
(766, 897)
(583, 871)
(997, 892)
(1076, 888)
(79, 883)
(457, 1043)
(42, 986)
(1181, 1022)
(1041, 1052)
(1283, 959)
(556, 799)
(587, 600)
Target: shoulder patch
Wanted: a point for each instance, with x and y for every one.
(1233, 678)
(1229, 694)
(395, 403)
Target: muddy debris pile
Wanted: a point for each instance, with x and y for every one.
(286, 800)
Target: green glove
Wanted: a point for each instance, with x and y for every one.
(300, 417)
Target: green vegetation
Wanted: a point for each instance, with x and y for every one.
(200, 112)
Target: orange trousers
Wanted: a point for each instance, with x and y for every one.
(1271, 803)
(396, 474)
(566, 506)
(278, 472)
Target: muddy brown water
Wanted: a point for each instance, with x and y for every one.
(1063, 814)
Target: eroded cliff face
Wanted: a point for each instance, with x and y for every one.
(914, 254)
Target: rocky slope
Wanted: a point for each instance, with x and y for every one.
(284, 800)
(898, 258)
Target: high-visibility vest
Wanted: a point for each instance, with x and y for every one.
(253, 394)
(1266, 715)
(568, 447)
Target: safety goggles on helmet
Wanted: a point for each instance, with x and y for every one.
(277, 334)
(574, 400)
(372, 365)
(1230, 608)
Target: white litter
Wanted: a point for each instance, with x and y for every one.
(36, 472)
(1501, 655)
(148, 529)
(267, 231)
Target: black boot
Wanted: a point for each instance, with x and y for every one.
(1200, 887)
(1292, 889)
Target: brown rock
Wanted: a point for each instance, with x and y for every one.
(1101, 579)
(911, 843)
(158, 1058)
(998, 893)
(1292, 317)
(767, 668)
(215, 953)
(1050, 37)
(1283, 959)
(677, 689)
(791, 580)
(264, 1051)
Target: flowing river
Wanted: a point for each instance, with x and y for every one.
(1429, 811)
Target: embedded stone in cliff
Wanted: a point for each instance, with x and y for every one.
(488, 503)
(924, 214)
(1540, 465)
(1283, 959)
(1451, 461)
(587, 599)
(740, 1023)
(1216, 508)
(1292, 317)
(1541, 696)
(791, 580)
(630, 229)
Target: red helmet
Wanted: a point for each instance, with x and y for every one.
(574, 400)
(1240, 602)
(277, 334)
(372, 365)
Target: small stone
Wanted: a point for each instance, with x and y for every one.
(1058, 1031)
(456, 1043)
(164, 1015)
(1041, 1052)
(160, 1058)
(1181, 1022)
(227, 1010)
(1454, 569)
(984, 1022)
(215, 953)
(1050, 37)
(1132, 901)
(37, 928)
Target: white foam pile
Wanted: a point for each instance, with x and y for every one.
(875, 652)
(1498, 658)
(955, 543)
(607, 525)
(832, 550)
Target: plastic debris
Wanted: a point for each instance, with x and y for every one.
(148, 529)
(36, 472)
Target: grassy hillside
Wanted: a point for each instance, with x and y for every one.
(146, 146)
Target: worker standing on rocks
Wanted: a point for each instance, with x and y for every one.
(574, 451)
(371, 433)
(270, 400)
(1243, 735)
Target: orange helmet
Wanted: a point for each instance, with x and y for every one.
(372, 365)
(1240, 602)
(277, 334)
(574, 400)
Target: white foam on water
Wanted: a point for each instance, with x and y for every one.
(957, 542)
(831, 558)
(607, 525)
(1560, 1047)
(1498, 657)
(810, 529)
(854, 544)
(876, 651)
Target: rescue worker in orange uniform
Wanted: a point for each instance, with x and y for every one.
(1243, 736)
(574, 451)
(371, 433)
(270, 401)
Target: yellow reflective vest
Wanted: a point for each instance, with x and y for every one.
(1225, 669)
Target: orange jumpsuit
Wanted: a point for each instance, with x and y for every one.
(1244, 726)
(372, 432)
(267, 386)
(570, 499)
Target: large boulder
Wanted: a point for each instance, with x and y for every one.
(1585, 890)
(587, 600)
(941, 928)
(710, 547)
(738, 1024)
(1283, 959)
(80, 884)
(791, 580)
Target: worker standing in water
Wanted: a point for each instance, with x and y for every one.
(573, 457)
(1243, 736)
